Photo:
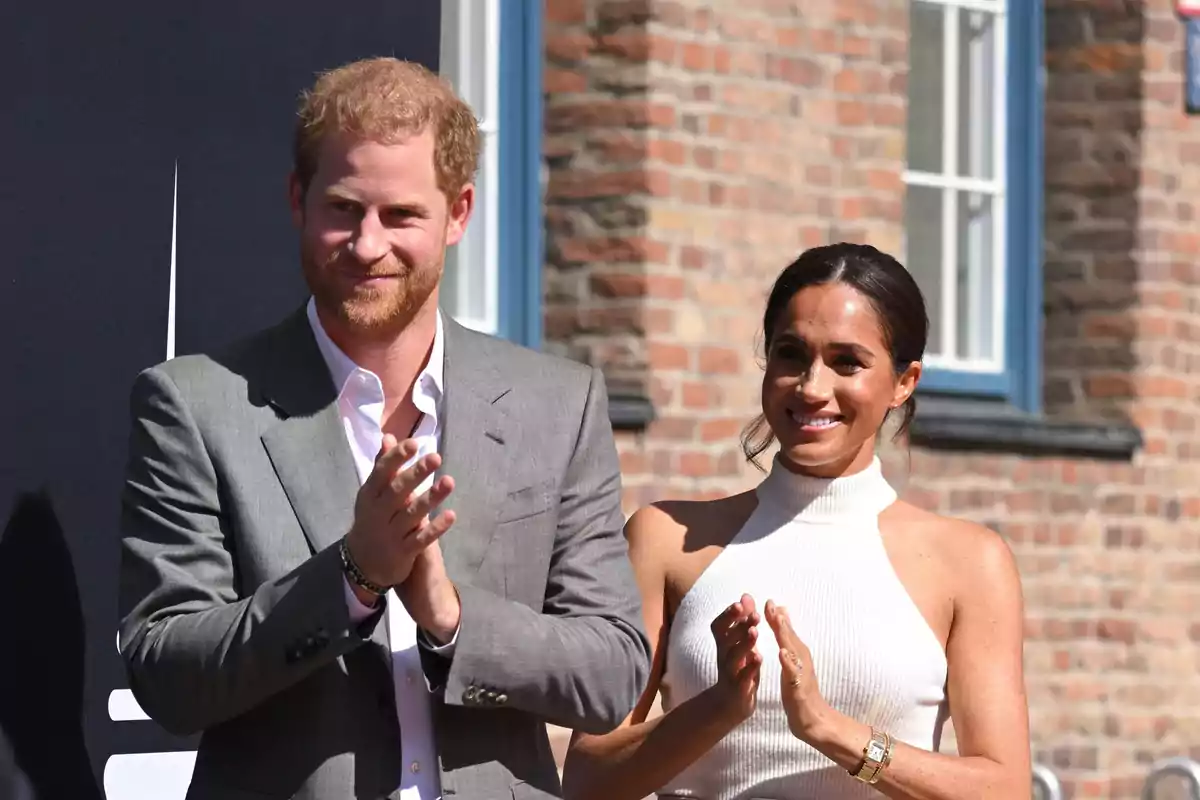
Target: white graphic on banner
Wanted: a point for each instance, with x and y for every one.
(171, 290)
(122, 707)
(149, 776)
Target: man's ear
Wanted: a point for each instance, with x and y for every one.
(296, 199)
(459, 213)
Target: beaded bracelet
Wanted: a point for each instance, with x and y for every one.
(356, 574)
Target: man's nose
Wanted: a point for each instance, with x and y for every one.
(370, 240)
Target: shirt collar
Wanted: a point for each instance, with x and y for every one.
(342, 367)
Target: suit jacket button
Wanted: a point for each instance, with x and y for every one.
(469, 695)
(501, 699)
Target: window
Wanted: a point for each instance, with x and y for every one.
(491, 53)
(973, 193)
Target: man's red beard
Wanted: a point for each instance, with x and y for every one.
(378, 308)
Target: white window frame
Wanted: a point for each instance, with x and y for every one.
(470, 60)
(943, 354)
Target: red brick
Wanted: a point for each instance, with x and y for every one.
(714, 360)
(692, 257)
(722, 60)
(565, 12)
(633, 461)
(568, 48)
(720, 430)
(668, 356)
(613, 250)
(696, 57)
(616, 113)
(563, 80)
(857, 46)
(852, 113)
(618, 13)
(1098, 57)
(609, 184)
(666, 150)
(621, 147)
(696, 465)
(673, 428)
(885, 180)
(697, 395)
(632, 45)
(623, 318)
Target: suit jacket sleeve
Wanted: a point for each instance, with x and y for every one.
(197, 650)
(583, 662)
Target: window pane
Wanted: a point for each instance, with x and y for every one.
(923, 224)
(468, 37)
(976, 93)
(466, 288)
(925, 95)
(470, 60)
(978, 302)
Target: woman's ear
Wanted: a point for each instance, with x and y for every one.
(906, 384)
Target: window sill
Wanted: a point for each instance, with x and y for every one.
(629, 412)
(960, 423)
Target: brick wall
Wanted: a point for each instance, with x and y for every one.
(695, 148)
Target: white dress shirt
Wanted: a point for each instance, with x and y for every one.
(360, 405)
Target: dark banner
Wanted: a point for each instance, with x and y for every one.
(145, 149)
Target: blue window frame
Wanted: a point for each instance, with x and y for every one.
(491, 51)
(974, 200)
(520, 212)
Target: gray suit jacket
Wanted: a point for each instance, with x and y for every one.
(234, 621)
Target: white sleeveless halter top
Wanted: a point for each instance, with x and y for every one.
(812, 545)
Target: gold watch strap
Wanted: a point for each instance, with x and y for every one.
(877, 754)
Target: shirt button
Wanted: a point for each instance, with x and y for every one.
(415, 767)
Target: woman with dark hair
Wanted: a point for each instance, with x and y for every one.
(881, 619)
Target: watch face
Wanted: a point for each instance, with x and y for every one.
(875, 751)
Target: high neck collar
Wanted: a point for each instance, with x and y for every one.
(862, 494)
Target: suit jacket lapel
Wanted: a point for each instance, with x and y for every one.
(308, 446)
(313, 461)
(475, 447)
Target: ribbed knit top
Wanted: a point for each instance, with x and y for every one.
(812, 545)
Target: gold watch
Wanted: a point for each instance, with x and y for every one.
(877, 754)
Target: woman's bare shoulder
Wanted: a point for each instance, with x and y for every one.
(670, 525)
(968, 549)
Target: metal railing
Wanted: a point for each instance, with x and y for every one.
(1178, 767)
(1046, 785)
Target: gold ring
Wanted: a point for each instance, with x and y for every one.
(796, 680)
